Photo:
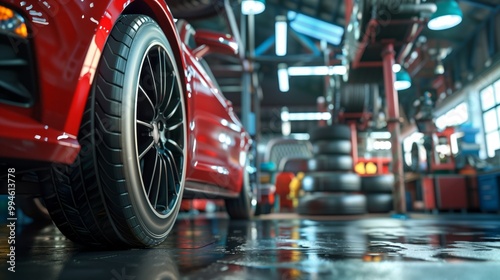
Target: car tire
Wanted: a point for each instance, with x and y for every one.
(332, 204)
(34, 208)
(333, 147)
(126, 185)
(382, 183)
(379, 203)
(244, 207)
(331, 182)
(354, 98)
(330, 163)
(331, 132)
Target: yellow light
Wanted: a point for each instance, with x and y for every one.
(360, 168)
(22, 30)
(371, 168)
(6, 13)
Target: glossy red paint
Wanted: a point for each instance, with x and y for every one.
(67, 39)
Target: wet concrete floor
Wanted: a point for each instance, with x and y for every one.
(278, 246)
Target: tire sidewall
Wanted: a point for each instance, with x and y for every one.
(148, 35)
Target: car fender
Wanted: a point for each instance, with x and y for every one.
(154, 8)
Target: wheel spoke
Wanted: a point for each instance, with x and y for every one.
(173, 167)
(153, 176)
(147, 149)
(147, 97)
(173, 147)
(154, 200)
(173, 126)
(148, 125)
(160, 75)
(165, 188)
(177, 105)
(154, 81)
(170, 94)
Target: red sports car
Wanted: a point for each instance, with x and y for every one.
(117, 114)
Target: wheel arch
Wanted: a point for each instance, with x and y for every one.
(155, 9)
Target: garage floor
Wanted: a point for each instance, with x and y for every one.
(278, 246)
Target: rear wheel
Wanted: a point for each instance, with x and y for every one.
(125, 188)
(244, 206)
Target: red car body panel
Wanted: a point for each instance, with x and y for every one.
(67, 39)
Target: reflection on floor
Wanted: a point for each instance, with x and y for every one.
(281, 246)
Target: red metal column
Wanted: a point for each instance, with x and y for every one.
(394, 128)
(354, 143)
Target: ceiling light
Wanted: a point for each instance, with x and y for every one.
(439, 70)
(317, 70)
(306, 116)
(281, 35)
(253, 7)
(403, 80)
(283, 78)
(396, 68)
(447, 15)
(315, 28)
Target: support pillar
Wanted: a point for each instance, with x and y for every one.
(393, 123)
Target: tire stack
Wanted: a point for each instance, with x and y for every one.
(378, 190)
(330, 186)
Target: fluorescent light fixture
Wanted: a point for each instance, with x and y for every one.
(283, 78)
(396, 68)
(281, 35)
(315, 28)
(380, 135)
(403, 80)
(286, 126)
(447, 15)
(300, 136)
(253, 7)
(316, 70)
(382, 145)
(307, 116)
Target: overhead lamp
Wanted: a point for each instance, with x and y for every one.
(396, 68)
(281, 35)
(403, 80)
(315, 28)
(283, 82)
(439, 70)
(317, 70)
(447, 15)
(253, 7)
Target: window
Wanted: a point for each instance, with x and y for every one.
(453, 117)
(490, 105)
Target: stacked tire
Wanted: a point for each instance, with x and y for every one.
(330, 186)
(378, 190)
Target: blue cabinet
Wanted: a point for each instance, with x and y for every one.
(489, 199)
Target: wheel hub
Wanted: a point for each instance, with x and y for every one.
(159, 132)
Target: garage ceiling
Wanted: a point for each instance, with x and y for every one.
(466, 51)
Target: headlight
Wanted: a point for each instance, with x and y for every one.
(12, 23)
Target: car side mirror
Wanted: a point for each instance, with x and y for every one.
(214, 42)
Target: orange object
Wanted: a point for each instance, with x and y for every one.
(283, 180)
